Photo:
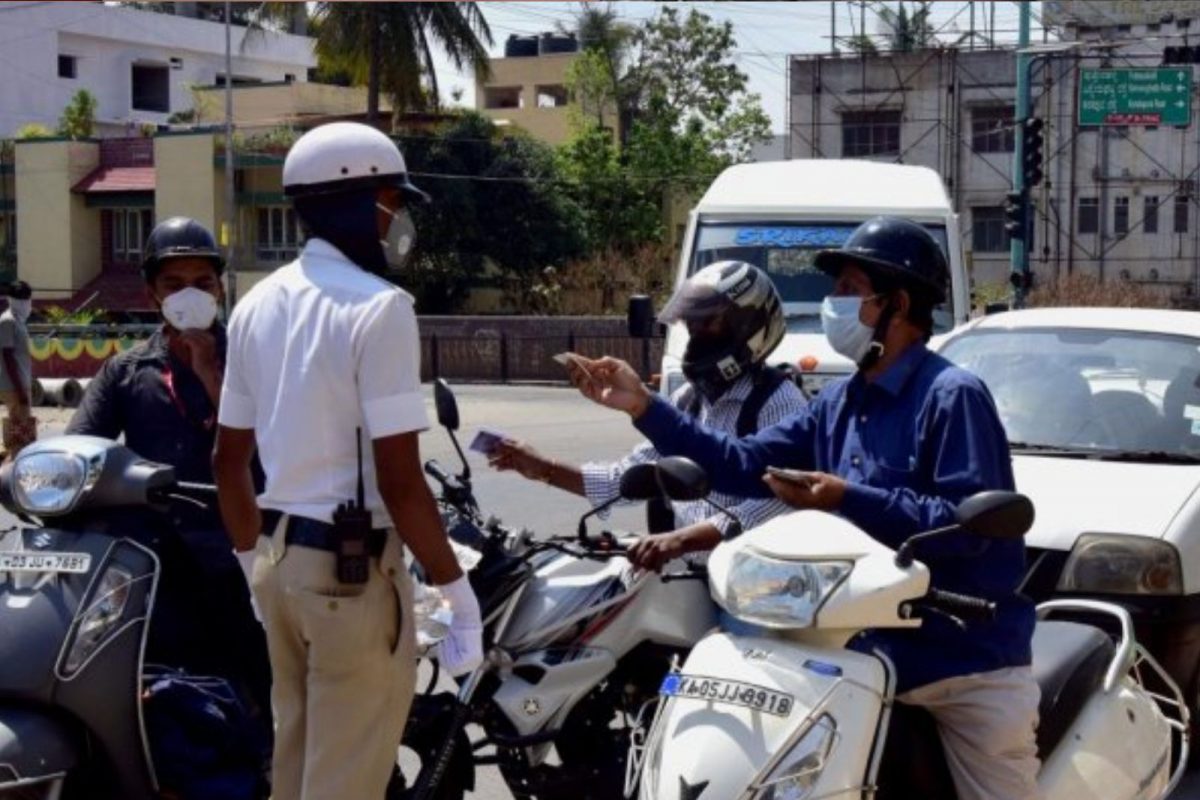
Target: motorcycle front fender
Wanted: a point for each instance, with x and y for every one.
(35, 746)
(718, 738)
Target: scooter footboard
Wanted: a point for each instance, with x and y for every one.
(747, 711)
(35, 748)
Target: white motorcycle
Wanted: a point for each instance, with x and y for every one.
(790, 713)
(577, 643)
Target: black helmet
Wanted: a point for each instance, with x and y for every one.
(179, 237)
(746, 300)
(892, 248)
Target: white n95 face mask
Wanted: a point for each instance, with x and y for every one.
(401, 236)
(190, 309)
(846, 333)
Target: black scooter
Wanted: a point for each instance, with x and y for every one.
(81, 592)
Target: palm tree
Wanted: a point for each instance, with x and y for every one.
(600, 30)
(390, 46)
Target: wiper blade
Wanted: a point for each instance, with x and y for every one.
(1035, 448)
(1148, 456)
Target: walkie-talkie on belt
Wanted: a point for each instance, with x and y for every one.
(352, 531)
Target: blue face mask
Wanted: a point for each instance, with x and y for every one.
(846, 333)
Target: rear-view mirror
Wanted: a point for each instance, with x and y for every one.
(996, 515)
(641, 316)
(640, 482)
(447, 406)
(682, 479)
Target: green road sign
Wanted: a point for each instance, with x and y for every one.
(1135, 96)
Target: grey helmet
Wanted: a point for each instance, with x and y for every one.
(753, 323)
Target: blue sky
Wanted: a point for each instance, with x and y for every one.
(766, 33)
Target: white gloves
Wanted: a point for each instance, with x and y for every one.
(246, 562)
(462, 649)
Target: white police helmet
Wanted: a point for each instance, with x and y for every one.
(343, 156)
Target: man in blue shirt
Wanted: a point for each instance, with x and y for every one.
(894, 449)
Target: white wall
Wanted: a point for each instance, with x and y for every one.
(107, 41)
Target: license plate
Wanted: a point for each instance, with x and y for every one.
(45, 562)
(734, 693)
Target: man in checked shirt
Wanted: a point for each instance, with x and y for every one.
(735, 319)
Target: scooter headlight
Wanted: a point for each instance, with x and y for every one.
(50, 482)
(796, 775)
(779, 594)
(101, 619)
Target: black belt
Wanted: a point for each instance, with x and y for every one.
(318, 535)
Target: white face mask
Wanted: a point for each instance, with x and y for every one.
(401, 236)
(190, 309)
(846, 333)
(20, 308)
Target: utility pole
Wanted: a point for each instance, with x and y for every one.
(227, 224)
(1019, 248)
(833, 27)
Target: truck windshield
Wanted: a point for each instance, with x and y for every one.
(785, 251)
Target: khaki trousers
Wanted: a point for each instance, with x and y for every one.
(988, 724)
(343, 662)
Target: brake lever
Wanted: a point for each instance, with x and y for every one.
(916, 609)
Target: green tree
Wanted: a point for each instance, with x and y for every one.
(389, 46)
(907, 32)
(600, 79)
(497, 203)
(615, 210)
(78, 120)
(33, 130)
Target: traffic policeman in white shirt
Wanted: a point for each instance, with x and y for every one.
(318, 352)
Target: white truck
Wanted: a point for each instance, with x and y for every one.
(777, 215)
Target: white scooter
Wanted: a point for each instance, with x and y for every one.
(792, 714)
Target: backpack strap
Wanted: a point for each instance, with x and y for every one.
(766, 381)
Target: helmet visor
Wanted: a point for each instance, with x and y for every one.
(694, 301)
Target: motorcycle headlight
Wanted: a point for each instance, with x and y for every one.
(796, 775)
(46, 483)
(780, 594)
(101, 618)
(1103, 563)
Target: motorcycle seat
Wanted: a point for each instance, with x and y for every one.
(1069, 662)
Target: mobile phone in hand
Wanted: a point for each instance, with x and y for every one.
(486, 441)
(791, 476)
(567, 359)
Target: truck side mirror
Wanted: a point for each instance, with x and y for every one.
(641, 316)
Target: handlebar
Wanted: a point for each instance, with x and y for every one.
(960, 608)
(434, 470)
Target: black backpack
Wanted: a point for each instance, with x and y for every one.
(660, 518)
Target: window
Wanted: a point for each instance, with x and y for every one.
(1089, 215)
(151, 89)
(551, 96)
(176, 63)
(1121, 216)
(1153, 27)
(8, 234)
(130, 227)
(870, 133)
(279, 237)
(1182, 209)
(987, 230)
(502, 97)
(66, 66)
(992, 129)
(1150, 214)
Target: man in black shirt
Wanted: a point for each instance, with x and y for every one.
(162, 396)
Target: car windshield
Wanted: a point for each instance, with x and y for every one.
(1111, 394)
(785, 251)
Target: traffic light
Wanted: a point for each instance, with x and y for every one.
(1031, 153)
(1014, 214)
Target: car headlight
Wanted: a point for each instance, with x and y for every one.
(780, 594)
(1105, 563)
(51, 482)
(102, 617)
(796, 775)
